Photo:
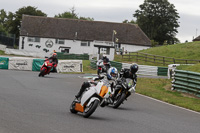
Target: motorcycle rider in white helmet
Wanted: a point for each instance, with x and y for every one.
(108, 79)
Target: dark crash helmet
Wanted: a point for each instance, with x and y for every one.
(134, 68)
(104, 57)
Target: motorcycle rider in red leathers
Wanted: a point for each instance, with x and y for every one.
(55, 61)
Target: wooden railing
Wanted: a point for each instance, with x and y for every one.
(137, 56)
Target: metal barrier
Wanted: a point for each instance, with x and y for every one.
(118, 65)
(186, 81)
(162, 71)
(143, 69)
(8, 39)
(72, 56)
(93, 64)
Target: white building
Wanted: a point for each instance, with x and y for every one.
(44, 34)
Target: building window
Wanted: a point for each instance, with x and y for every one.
(64, 50)
(60, 41)
(105, 51)
(85, 43)
(33, 39)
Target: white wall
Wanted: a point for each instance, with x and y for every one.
(75, 47)
(3, 47)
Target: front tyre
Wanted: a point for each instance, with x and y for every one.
(98, 71)
(42, 72)
(72, 107)
(119, 100)
(91, 108)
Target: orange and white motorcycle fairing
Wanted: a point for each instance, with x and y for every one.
(91, 98)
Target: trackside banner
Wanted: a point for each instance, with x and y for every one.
(20, 63)
(37, 64)
(4, 62)
(70, 66)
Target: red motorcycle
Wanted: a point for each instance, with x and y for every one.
(46, 67)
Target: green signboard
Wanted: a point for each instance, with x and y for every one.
(4, 62)
(37, 64)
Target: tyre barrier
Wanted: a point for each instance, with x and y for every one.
(186, 81)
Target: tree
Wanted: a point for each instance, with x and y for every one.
(72, 15)
(69, 14)
(87, 18)
(66, 15)
(129, 22)
(159, 20)
(16, 22)
(3, 18)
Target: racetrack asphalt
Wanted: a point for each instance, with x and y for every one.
(32, 104)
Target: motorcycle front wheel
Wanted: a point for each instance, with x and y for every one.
(90, 109)
(42, 72)
(72, 107)
(98, 71)
(119, 100)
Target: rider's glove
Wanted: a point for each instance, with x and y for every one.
(55, 65)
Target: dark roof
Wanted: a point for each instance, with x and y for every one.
(197, 39)
(71, 29)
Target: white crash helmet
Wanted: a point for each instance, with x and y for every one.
(112, 73)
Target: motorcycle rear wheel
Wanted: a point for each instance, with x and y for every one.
(89, 110)
(119, 100)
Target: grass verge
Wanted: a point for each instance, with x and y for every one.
(2, 52)
(161, 89)
(193, 68)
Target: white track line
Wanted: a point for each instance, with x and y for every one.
(169, 104)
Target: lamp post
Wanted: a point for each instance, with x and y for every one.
(113, 35)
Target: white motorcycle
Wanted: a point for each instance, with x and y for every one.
(93, 97)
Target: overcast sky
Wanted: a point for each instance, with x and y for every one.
(113, 11)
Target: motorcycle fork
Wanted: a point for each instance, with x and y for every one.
(127, 94)
(120, 91)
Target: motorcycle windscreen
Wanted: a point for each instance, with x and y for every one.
(129, 82)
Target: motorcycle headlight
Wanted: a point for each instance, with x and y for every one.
(129, 85)
(45, 63)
